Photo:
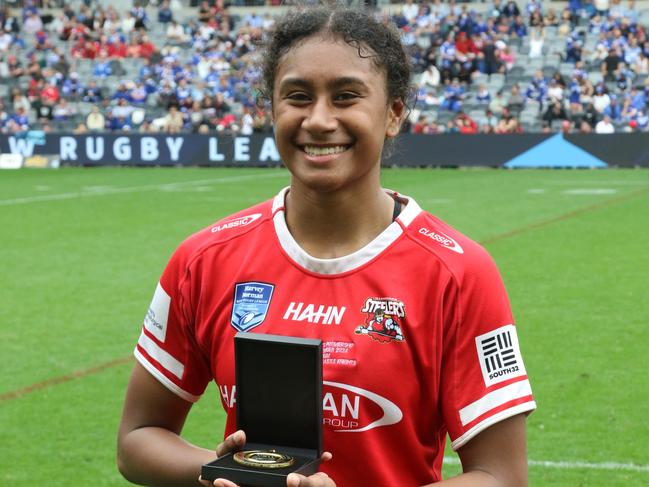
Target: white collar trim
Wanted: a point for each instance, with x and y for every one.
(345, 263)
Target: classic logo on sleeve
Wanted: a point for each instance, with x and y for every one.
(156, 317)
(499, 355)
(242, 221)
(251, 302)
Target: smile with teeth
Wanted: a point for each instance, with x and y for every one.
(313, 150)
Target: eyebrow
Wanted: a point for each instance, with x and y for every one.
(336, 83)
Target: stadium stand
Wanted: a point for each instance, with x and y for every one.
(492, 67)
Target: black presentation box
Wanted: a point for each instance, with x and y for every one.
(278, 405)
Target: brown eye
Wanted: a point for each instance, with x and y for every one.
(346, 96)
(297, 96)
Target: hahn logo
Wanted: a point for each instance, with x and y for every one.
(237, 222)
(350, 409)
(442, 239)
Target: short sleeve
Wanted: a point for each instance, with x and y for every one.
(167, 346)
(484, 380)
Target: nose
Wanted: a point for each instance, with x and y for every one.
(320, 117)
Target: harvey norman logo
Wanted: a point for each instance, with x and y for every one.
(237, 222)
(350, 409)
(442, 239)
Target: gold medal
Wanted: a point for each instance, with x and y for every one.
(263, 459)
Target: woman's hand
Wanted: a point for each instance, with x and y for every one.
(319, 479)
(232, 443)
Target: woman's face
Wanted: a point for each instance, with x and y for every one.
(331, 114)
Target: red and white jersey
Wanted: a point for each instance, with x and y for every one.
(418, 336)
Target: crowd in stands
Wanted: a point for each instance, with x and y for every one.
(499, 67)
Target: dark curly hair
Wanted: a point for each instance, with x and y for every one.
(373, 39)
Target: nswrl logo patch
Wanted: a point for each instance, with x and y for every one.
(251, 302)
(499, 355)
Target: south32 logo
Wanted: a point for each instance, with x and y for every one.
(251, 302)
(383, 320)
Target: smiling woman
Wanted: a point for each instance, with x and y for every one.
(417, 332)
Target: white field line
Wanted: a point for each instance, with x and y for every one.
(630, 467)
(594, 182)
(133, 189)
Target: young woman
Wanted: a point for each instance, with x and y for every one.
(416, 326)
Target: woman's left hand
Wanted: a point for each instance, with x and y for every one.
(319, 479)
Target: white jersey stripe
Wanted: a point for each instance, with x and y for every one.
(491, 420)
(572, 465)
(494, 399)
(168, 362)
(164, 380)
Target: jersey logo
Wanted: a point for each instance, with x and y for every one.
(442, 239)
(237, 222)
(499, 355)
(383, 318)
(251, 302)
(157, 315)
(350, 409)
(317, 314)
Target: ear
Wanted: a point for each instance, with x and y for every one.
(396, 114)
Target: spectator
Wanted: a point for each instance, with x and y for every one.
(431, 77)
(165, 15)
(80, 129)
(508, 123)
(176, 33)
(601, 100)
(102, 67)
(537, 39)
(515, 102)
(14, 67)
(482, 95)
(555, 91)
(62, 111)
(50, 94)
(20, 120)
(605, 126)
(32, 24)
(139, 13)
(510, 10)
(6, 40)
(498, 103)
(95, 121)
(465, 124)
(93, 93)
(173, 122)
(537, 89)
(453, 96)
(613, 110)
(611, 63)
(19, 100)
(122, 110)
(554, 112)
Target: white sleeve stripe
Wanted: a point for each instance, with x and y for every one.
(164, 379)
(494, 399)
(160, 356)
(491, 420)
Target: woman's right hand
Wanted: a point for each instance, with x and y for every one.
(234, 442)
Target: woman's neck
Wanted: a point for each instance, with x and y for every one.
(335, 224)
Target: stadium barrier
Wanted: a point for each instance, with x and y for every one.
(259, 150)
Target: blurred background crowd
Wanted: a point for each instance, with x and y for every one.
(499, 66)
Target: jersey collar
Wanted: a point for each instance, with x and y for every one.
(348, 262)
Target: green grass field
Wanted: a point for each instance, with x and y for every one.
(81, 251)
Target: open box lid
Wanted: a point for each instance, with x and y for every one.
(279, 390)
